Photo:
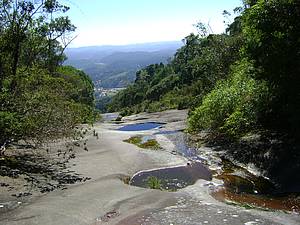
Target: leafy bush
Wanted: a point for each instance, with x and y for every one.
(234, 105)
(165, 85)
(42, 106)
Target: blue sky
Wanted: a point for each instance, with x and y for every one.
(118, 22)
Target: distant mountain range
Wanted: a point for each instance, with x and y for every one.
(115, 66)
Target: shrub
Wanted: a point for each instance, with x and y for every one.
(154, 183)
(42, 107)
(234, 105)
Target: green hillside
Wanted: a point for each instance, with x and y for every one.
(115, 66)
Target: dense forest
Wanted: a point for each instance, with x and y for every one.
(39, 98)
(245, 81)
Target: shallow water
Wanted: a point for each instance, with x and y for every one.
(287, 203)
(181, 145)
(240, 185)
(173, 178)
(140, 126)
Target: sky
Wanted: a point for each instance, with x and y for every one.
(120, 22)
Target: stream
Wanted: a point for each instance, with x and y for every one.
(239, 187)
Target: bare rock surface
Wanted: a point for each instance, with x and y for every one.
(106, 199)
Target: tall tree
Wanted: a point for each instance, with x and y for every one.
(22, 22)
(39, 98)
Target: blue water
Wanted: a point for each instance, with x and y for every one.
(140, 126)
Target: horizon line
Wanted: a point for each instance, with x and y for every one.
(119, 45)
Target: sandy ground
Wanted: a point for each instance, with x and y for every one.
(105, 199)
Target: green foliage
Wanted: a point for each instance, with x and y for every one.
(134, 140)
(39, 99)
(150, 144)
(206, 59)
(43, 106)
(146, 144)
(234, 105)
(102, 103)
(30, 32)
(272, 41)
(154, 183)
(165, 85)
(82, 85)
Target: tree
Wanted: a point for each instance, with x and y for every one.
(34, 25)
(272, 40)
(39, 98)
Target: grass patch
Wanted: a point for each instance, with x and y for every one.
(151, 144)
(148, 144)
(136, 140)
(154, 183)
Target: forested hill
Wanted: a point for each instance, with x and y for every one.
(115, 66)
(39, 98)
(236, 84)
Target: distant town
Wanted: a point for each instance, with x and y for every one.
(106, 92)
